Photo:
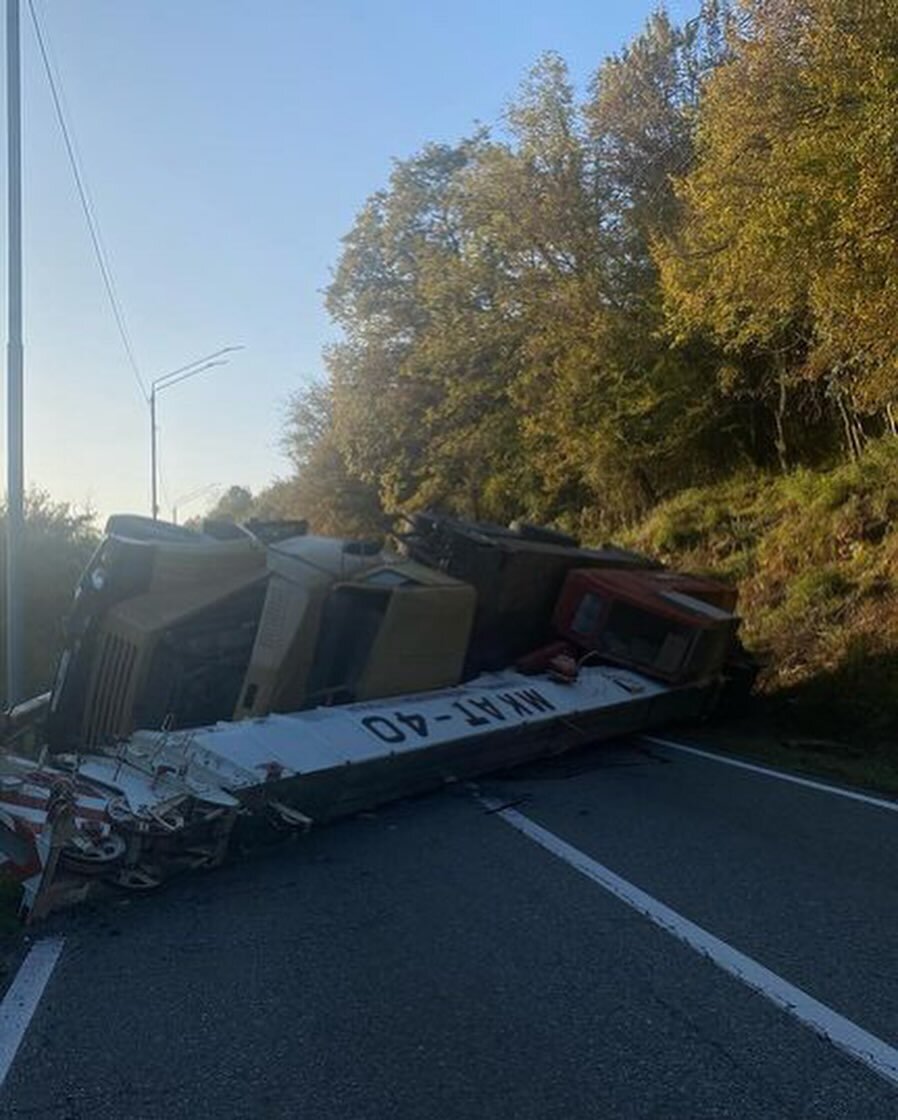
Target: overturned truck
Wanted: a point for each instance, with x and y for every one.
(214, 680)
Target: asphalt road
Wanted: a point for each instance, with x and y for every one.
(430, 961)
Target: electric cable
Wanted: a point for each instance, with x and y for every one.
(92, 223)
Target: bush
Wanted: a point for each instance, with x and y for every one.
(58, 543)
(815, 556)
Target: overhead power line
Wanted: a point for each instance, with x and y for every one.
(92, 224)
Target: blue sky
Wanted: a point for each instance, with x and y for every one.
(227, 146)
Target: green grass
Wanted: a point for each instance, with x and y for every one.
(781, 739)
(815, 558)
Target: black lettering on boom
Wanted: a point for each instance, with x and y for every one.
(417, 723)
(471, 719)
(517, 706)
(536, 700)
(489, 708)
(384, 729)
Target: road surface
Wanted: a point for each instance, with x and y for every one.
(432, 960)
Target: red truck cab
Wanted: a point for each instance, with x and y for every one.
(675, 627)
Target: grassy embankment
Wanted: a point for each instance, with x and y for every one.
(815, 556)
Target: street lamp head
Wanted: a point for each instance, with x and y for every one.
(195, 367)
(168, 379)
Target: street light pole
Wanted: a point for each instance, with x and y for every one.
(15, 485)
(166, 381)
(153, 475)
(185, 499)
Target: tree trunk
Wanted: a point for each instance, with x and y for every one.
(779, 416)
(647, 494)
(855, 437)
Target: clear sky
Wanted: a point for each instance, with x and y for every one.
(227, 146)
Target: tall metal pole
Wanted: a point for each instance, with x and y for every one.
(155, 499)
(166, 381)
(15, 514)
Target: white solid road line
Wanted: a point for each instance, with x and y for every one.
(23, 996)
(835, 1028)
(852, 795)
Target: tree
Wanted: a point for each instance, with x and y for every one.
(59, 541)
(787, 249)
(615, 414)
(322, 490)
(419, 400)
(605, 303)
(236, 504)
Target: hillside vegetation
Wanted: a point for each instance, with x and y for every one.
(58, 542)
(815, 556)
(664, 308)
(686, 275)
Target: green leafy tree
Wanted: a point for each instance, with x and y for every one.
(607, 302)
(322, 490)
(236, 504)
(616, 415)
(419, 386)
(787, 249)
(58, 542)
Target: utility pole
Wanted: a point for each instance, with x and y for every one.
(15, 502)
(153, 472)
